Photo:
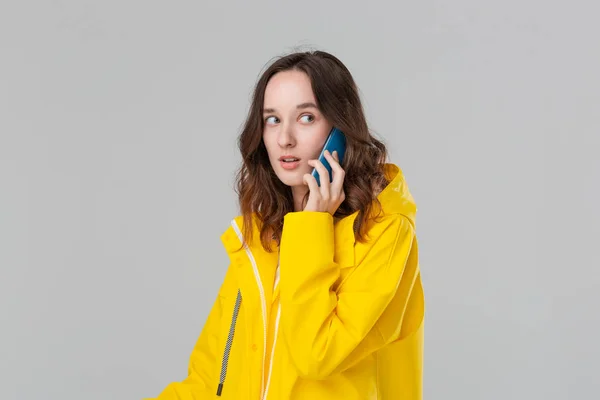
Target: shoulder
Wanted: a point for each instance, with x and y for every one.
(234, 233)
(388, 226)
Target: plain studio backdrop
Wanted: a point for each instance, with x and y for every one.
(118, 124)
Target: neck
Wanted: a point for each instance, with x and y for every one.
(298, 193)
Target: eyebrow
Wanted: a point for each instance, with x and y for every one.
(298, 107)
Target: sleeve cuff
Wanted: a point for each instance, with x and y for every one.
(308, 236)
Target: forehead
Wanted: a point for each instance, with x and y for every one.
(288, 88)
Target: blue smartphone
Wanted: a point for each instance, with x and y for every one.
(336, 141)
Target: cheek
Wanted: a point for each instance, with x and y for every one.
(314, 146)
(269, 144)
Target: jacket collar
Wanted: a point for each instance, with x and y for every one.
(344, 241)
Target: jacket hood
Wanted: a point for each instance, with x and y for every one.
(396, 198)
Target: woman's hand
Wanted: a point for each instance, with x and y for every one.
(329, 196)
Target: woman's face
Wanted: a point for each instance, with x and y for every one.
(294, 128)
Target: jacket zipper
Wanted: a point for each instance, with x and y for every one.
(225, 362)
(262, 301)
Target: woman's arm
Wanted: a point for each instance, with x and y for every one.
(327, 331)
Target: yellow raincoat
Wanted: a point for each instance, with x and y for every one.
(326, 317)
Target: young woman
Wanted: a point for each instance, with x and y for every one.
(322, 298)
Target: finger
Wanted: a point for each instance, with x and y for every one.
(334, 162)
(313, 187)
(323, 178)
(337, 172)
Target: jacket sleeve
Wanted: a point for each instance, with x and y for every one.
(202, 380)
(328, 331)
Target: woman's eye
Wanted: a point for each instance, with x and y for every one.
(307, 118)
(271, 120)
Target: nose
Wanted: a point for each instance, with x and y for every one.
(286, 136)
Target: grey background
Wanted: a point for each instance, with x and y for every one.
(117, 154)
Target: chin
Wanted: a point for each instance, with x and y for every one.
(291, 178)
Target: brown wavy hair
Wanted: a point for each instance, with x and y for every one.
(263, 198)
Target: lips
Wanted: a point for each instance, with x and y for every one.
(289, 158)
(289, 162)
